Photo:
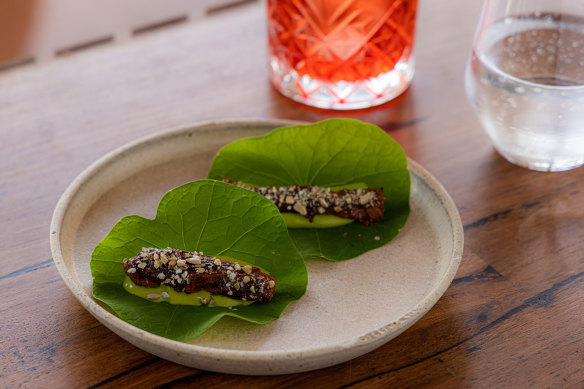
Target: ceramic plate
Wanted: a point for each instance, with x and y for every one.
(350, 307)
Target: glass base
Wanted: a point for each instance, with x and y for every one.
(342, 94)
(556, 164)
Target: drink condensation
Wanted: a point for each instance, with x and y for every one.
(526, 83)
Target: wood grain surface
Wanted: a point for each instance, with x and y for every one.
(513, 317)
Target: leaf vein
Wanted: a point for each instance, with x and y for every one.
(182, 221)
(245, 233)
(264, 174)
(326, 163)
(206, 218)
(175, 308)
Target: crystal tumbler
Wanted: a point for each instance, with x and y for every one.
(341, 54)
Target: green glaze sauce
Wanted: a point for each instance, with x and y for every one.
(294, 220)
(174, 297)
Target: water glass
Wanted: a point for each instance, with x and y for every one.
(525, 80)
(341, 54)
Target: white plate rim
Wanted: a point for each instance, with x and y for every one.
(366, 342)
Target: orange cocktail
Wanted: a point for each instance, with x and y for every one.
(341, 54)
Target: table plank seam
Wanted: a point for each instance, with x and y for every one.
(28, 269)
(486, 219)
(199, 374)
(488, 273)
(120, 375)
(398, 125)
(541, 299)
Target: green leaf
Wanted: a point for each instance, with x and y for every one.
(330, 153)
(210, 217)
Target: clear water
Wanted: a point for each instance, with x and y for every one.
(526, 83)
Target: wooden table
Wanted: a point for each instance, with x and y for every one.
(513, 317)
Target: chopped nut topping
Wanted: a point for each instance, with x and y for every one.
(366, 198)
(271, 284)
(365, 206)
(194, 261)
(212, 274)
(301, 209)
(153, 296)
